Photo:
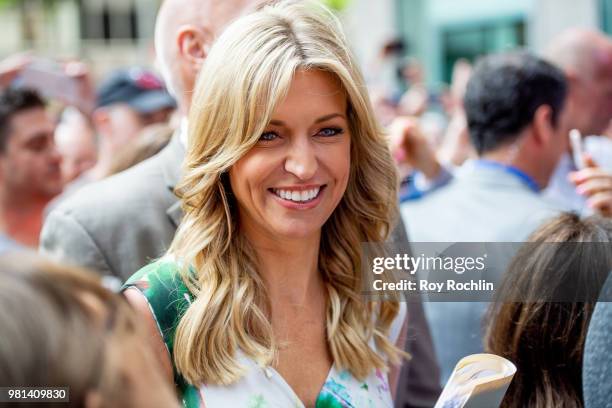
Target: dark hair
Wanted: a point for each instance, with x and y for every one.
(503, 94)
(560, 273)
(13, 101)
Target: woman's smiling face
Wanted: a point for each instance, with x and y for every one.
(288, 185)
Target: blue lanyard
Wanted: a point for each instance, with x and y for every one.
(524, 177)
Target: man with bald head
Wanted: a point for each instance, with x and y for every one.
(585, 56)
(184, 32)
(120, 224)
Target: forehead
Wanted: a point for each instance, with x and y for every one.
(313, 91)
(31, 121)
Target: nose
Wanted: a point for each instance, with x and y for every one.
(54, 154)
(302, 159)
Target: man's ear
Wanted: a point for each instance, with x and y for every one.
(543, 129)
(194, 43)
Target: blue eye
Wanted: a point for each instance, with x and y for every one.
(268, 136)
(328, 132)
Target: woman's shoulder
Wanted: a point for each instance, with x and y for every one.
(162, 277)
(168, 298)
(163, 287)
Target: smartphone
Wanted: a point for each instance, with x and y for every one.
(48, 77)
(575, 138)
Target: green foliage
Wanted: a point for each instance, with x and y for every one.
(6, 3)
(338, 5)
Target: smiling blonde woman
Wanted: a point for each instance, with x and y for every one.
(258, 301)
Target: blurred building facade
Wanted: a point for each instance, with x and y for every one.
(108, 33)
(112, 33)
(438, 32)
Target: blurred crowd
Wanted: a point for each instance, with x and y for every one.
(55, 143)
(88, 169)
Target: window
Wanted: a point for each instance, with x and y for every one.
(473, 40)
(605, 7)
(109, 20)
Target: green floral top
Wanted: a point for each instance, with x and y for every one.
(261, 387)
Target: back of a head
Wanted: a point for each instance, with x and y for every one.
(575, 50)
(503, 94)
(585, 55)
(203, 18)
(543, 307)
(61, 328)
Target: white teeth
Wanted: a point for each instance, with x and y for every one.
(297, 196)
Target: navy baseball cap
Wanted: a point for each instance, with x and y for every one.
(142, 90)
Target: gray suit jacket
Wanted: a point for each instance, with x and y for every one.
(481, 204)
(118, 225)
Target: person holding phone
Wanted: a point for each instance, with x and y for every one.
(594, 184)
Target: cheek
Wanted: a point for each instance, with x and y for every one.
(21, 169)
(128, 124)
(24, 162)
(248, 174)
(19, 162)
(341, 163)
(136, 126)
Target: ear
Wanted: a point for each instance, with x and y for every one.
(543, 130)
(194, 43)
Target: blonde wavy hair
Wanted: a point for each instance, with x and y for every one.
(248, 71)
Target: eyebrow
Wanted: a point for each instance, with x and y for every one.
(38, 135)
(321, 119)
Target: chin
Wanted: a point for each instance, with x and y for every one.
(298, 230)
(52, 192)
